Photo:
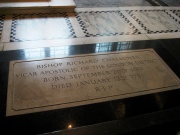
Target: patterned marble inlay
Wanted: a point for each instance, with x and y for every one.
(155, 21)
(110, 3)
(105, 23)
(177, 12)
(1, 23)
(30, 27)
(172, 2)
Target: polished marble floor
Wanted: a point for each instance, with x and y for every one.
(172, 2)
(101, 118)
(88, 25)
(110, 3)
(1, 24)
(38, 35)
(30, 27)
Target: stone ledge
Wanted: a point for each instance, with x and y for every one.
(22, 6)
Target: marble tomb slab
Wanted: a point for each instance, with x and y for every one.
(55, 83)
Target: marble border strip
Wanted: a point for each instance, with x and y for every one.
(42, 43)
(145, 27)
(133, 22)
(22, 4)
(5, 37)
(2, 19)
(41, 4)
(119, 38)
(90, 34)
(75, 41)
(149, 8)
(75, 25)
(176, 13)
(13, 37)
(171, 12)
(164, 35)
(96, 9)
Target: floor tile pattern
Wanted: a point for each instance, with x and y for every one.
(30, 27)
(89, 25)
(110, 3)
(1, 23)
(155, 21)
(172, 2)
(105, 23)
(177, 12)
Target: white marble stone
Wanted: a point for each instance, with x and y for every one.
(6, 29)
(163, 35)
(42, 43)
(2, 18)
(149, 8)
(134, 3)
(103, 39)
(131, 37)
(119, 38)
(172, 2)
(96, 9)
(177, 12)
(62, 3)
(41, 27)
(156, 21)
(24, 3)
(133, 22)
(105, 23)
(110, 3)
(79, 32)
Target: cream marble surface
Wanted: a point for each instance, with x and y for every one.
(172, 2)
(24, 3)
(105, 23)
(2, 17)
(148, 8)
(58, 3)
(119, 38)
(96, 9)
(134, 3)
(35, 3)
(131, 37)
(110, 3)
(75, 24)
(100, 24)
(164, 35)
(41, 27)
(156, 21)
(177, 13)
(6, 29)
(42, 43)
(75, 41)
(91, 40)
(174, 14)
(133, 22)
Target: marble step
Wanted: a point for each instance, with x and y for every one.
(25, 6)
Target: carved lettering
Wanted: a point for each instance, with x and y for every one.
(84, 79)
(49, 65)
(26, 74)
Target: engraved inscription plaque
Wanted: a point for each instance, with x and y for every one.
(54, 83)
